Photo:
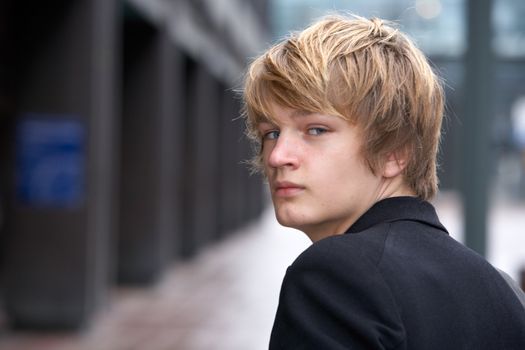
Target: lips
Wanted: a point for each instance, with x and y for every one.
(287, 189)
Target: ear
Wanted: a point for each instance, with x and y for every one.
(395, 163)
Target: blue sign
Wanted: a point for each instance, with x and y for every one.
(50, 160)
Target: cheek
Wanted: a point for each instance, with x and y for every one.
(334, 182)
(347, 175)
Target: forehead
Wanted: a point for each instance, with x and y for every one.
(276, 113)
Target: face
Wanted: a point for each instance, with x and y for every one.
(319, 181)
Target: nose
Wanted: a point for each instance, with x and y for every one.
(285, 152)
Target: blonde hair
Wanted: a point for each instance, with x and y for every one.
(364, 71)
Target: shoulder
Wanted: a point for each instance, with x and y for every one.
(345, 271)
(355, 251)
(334, 292)
(343, 267)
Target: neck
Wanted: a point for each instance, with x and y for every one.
(388, 188)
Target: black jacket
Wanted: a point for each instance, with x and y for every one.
(396, 280)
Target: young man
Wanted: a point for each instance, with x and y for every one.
(347, 117)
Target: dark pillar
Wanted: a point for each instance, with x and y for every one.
(247, 183)
(241, 169)
(232, 165)
(476, 123)
(60, 208)
(225, 162)
(149, 151)
(7, 98)
(201, 160)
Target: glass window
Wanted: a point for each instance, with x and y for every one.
(436, 25)
(509, 28)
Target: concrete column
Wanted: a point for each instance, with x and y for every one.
(231, 163)
(201, 160)
(60, 205)
(476, 123)
(7, 98)
(245, 181)
(148, 198)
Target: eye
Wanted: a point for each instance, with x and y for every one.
(316, 131)
(271, 135)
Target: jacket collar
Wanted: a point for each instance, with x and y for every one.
(395, 209)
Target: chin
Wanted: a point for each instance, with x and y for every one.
(284, 221)
(291, 222)
(292, 216)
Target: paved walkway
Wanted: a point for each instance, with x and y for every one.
(226, 297)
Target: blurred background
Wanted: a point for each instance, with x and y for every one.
(128, 219)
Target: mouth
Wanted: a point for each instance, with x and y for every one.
(287, 189)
